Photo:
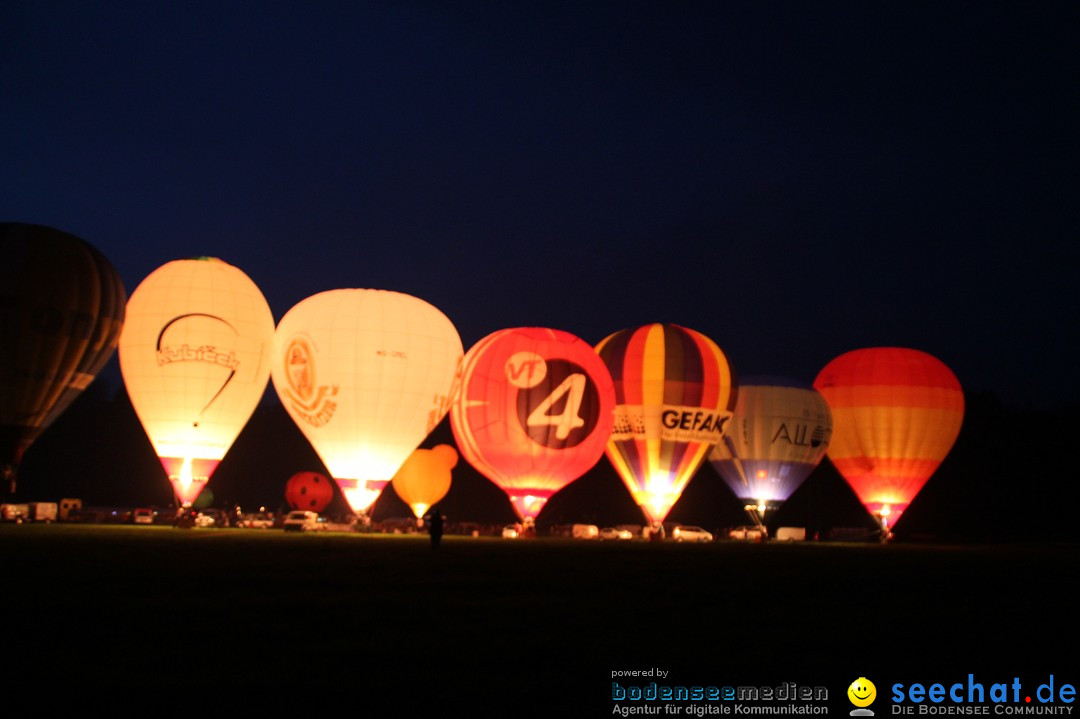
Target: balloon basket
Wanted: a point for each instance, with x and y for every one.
(757, 518)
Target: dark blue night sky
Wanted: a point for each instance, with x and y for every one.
(793, 179)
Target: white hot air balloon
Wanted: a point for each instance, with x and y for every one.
(195, 357)
(366, 375)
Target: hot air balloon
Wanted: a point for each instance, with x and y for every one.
(366, 375)
(776, 437)
(195, 357)
(674, 395)
(63, 309)
(534, 412)
(896, 413)
(424, 478)
(309, 490)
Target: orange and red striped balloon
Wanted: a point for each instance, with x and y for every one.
(674, 395)
(896, 414)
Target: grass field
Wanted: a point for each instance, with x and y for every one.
(247, 617)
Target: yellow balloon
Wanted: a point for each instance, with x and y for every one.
(424, 479)
(195, 357)
(366, 375)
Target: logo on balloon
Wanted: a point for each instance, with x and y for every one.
(312, 403)
(525, 369)
(800, 435)
(206, 352)
(564, 416)
(677, 424)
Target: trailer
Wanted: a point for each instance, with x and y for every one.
(29, 512)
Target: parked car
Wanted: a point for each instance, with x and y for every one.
(257, 520)
(143, 515)
(750, 534)
(791, 534)
(613, 533)
(584, 531)
(302, 520)
(511, 531)
(203, 519)
(684, 533)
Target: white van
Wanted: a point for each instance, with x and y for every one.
(791, 534)
(687, 533)
(585, 531)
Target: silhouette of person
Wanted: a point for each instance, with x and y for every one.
(435, 527)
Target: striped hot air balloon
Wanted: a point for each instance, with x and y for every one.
(63, 309)
(674, 395)
(896, 413)
(778, 435)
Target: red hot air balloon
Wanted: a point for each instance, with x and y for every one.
(61, 312)
(675, 393)
(534, 412)
(309, 490)
(896, 413)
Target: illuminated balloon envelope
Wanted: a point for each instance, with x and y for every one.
(534, 412)
(309, 490)
(63, 309)
(674, 393)
(424, 478)
(195, 357)
(776, 437)
(896, 413)
(366, 375)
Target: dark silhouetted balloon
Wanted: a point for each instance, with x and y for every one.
(61, 312)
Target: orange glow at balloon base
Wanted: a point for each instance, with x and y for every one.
(654, 508)
(886, 513)
(188, 476)
(360, 494)
(528, 504)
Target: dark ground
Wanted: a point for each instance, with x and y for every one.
(219, 622)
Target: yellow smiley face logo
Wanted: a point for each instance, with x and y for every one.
(862, 692)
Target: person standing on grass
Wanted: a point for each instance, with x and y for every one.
(435, 527)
